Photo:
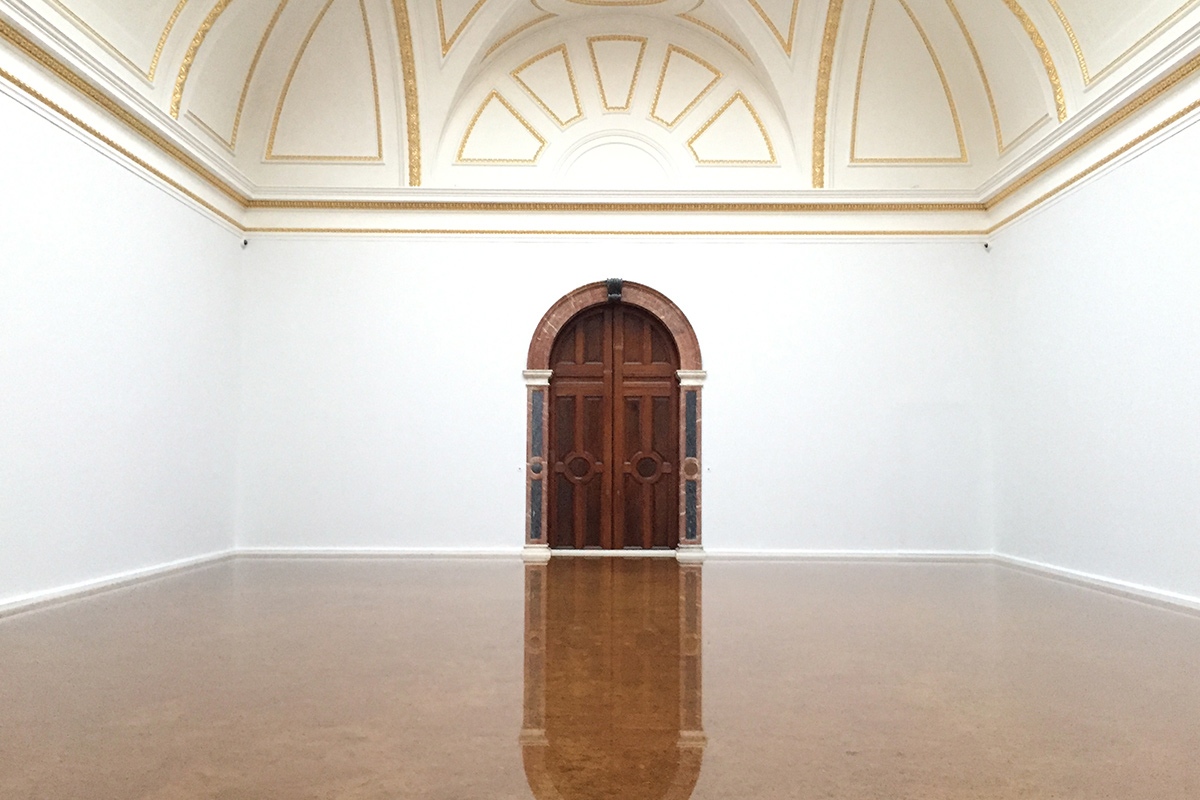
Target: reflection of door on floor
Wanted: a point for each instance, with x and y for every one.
(614, 432)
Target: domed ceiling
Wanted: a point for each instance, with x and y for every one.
(940, 99)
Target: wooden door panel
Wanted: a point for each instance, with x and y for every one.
(614, 432)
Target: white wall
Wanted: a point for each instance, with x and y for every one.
(118, 326)
(846, 408)
(1098, 376)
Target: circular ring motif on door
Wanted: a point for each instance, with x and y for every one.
(579, 468)
(646, 467)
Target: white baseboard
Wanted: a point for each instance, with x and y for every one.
(1130, 591)
(379, 552)
(914, 556)
(28, 602)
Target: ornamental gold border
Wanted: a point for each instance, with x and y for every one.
(829, 39)
(937, 64)
(515, 32)
(95, 35)
(987, 85)
(718, 76)
(487, 101)
(1088, 77)
(448, 42)
(738, 95)
(412, 105)
(119, 114)
(788, 42)
(716, 32)
(516, 76)
(637, 67)
(271, 155)
(1035, 36)
(189, 58)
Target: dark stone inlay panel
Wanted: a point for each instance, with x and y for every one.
(535, 510)
(691, 503)
(536, 439)
(690, 432)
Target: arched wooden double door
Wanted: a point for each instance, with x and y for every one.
(614, 432)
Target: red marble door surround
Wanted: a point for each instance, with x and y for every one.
(537, 380)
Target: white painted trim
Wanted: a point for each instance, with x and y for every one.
(536, 553)
(928, 556)
(380, 552)
(1113, 586)
(75, 591)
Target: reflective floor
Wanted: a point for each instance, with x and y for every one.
(581, 679)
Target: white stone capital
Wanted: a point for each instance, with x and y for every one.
(689, 554)
(537, 377)
(536, 553)
(691, 377)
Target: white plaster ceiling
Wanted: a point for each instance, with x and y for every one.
(758, 95)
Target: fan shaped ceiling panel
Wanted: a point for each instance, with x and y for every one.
(312, 98)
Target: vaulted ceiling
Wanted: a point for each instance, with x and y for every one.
(296, 96)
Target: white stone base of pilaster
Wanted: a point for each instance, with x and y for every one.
(536, 553)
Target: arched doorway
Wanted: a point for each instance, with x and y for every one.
(613, 446)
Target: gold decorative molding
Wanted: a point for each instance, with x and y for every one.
(147, 73)
(506, 38)
(715, 31)
(516, 76)
(609, 207)
(55, 67)
(757, 121)
(495, 95)
(448, 41)
(637, 68)
(1035, 36)
(231, 142)
(662, 77)
(408, 67)
(937, 64)
(271, 155)
(189, 58)
(1088, 77)
(1115, 118)
(786, 42)
(609, 232)
(110, 143)
(833, 21)
(987, 86)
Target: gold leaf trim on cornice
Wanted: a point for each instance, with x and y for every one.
(126, 118)
(100, 137)
(1035, 36)
(503, 40)
(987, 85)
(189, 58)
(516, 76)
(603, 232)
(412, 115)
(937, 64)
(448, 42)
(1120, 115)
(786, 42)
(271, 155)
(637, 68)
(757, 121)
(148, 74)
(1088, 77)
(599, 207)
(716, 32)
(662, 77)
(833, 21)
(495, 95)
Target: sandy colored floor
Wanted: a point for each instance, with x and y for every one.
(340, 679)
